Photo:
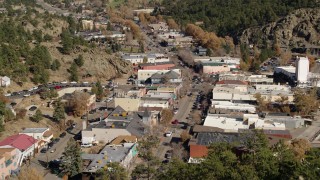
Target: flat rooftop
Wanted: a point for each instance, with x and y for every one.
(107, 155)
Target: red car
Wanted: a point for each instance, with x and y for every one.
(57, 87)
(175, 121)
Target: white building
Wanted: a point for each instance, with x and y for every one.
(234, 124)
(143, 75)
(39, 133)
(138, 58)
(302, 69)
(236, 107)
(4, 81)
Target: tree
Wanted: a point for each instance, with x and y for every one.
(113, 171)
(79, 61)
(306, 101)
(71, 163)
(145, 60)
(37, 117)
(145, 149)
(262, 103)
(47, 37)
(2, 128)
(73, 70)
(172, 24)
(55, 65)
(79, 103)
(185, 136)
(28, 173)
(166, 116)
(186, 56)
(58, 113)
(98, 90)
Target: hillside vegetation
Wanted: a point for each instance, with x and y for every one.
(231, 17)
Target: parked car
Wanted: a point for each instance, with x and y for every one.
(53, 150)
(32, 108)
(62, 135)
(175, 121)
(56, 140)
(86, 145)
(74, 125)
(43, 150)
(26, 95)
(168, 134)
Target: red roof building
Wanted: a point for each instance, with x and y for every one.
(19, 141)
(197, 153)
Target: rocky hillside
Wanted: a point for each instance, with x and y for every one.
(299, 29)
(97, 62)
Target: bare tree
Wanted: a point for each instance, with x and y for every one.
(166, 116)
(186, 56)
(79, 103)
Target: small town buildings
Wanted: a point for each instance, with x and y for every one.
(116, 36)
(224, 107)
(41, 134)
(123, 154)
(168, 77)
(159, 27)
(8, 162)
(302, 69)
(243, 93)
(145, 11)
(247, 121)
(5, 81)
(138, 58)
(156, 66)
(175, 39)
(144, 75)
(87, 24)
(25, 145)
(197, 153)
(118, 123)
(155, 102)
(201, 51)
(251, 79)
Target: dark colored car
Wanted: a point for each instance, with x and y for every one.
(62, 135)
(44, 150)
(32, 108)
(69, 129)
(56, 140)
(175, 121)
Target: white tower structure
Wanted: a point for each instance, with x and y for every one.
(302, 69)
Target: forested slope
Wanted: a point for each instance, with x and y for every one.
(231, 17)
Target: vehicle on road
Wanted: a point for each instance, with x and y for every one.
(62, 135)
(175, 121)
(73, 82)
(168, 134)
(26, 95)
(53, 150)
(44, 150)
(86, 145)
(7, 95)
(56, 140)
(74, 125)
(69, 129)
(32, 108)
(64, 82)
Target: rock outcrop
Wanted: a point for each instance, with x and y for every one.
(299, 29)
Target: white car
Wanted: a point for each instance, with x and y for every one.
(7, 95)
(73, 82)
(30, 89)
(26, 95)
(85, 83)
(86, 145)
(168, 134)
(64, 82)
(35, 88)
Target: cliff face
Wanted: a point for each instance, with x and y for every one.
(299, 29)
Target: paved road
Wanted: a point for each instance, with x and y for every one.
(49, 8)
(42, 158)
